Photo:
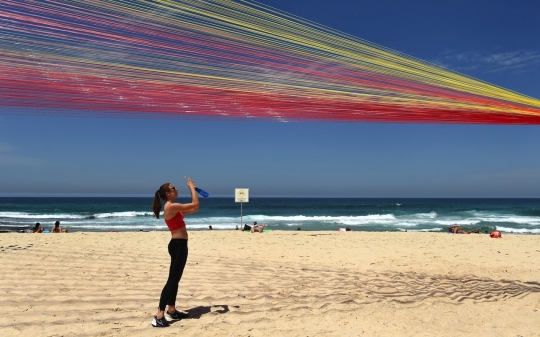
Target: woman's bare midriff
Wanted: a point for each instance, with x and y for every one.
(180, 234)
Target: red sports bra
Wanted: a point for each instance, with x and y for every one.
(176, 222)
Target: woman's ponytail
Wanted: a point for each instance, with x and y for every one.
(156, 206)
(160, 194)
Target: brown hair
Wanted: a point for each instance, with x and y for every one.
(161, 193)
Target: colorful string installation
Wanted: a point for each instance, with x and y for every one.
(209, 59)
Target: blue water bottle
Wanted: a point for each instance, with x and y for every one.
(201, 192)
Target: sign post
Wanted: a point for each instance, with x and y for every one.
(241, 195)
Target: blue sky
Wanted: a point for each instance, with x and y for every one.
(495, 41)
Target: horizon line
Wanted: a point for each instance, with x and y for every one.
(224, 196)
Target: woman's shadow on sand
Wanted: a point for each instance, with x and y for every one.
(197, 312)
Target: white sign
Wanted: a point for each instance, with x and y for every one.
(241, 195)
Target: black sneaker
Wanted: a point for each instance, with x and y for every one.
(176, 315)
(160, 322)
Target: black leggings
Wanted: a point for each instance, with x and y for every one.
(178, 251)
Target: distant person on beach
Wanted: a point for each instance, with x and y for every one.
(456, 229)
(210, 228)
(37, 228)
(257, 228)
(495, 234)
(57, 229)
(173, 214)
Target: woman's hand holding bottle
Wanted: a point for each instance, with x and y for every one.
(191, 184)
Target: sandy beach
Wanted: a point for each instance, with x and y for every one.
(273, 284)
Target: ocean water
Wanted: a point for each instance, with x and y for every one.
(360, 214)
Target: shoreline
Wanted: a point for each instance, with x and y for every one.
(165, 230)
(285, 283)
(133, 214)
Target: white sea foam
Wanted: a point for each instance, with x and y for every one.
(161, 226)
(340, 220)
(430, 215)
(519, 230)
(469, 213)
(122, 214)
(20, 215)
(449, 222)
(421, 230)
(522, 220)
(429, 221)
(373, 217)
(154, 225)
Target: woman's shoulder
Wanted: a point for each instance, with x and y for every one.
(170, 210)
(173, 207)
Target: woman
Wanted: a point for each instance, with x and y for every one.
(37, 228)
(173, 213)
(57, 229)
(456, 229)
